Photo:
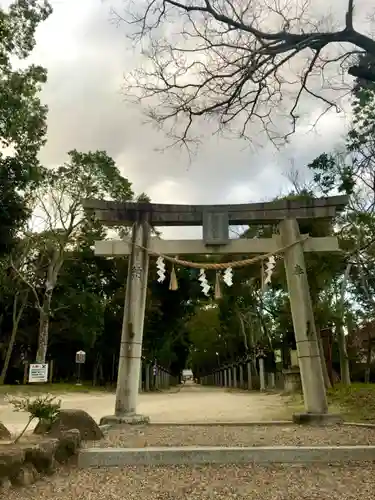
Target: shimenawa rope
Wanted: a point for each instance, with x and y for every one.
(222, 265)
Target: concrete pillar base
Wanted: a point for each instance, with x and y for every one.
(292, 380)
(130, 418)
(317, 418)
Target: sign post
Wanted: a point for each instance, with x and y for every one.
(38, 372)
(80, 360)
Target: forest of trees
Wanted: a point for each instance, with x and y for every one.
(57, 297)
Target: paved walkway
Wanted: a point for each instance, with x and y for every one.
(192, 404)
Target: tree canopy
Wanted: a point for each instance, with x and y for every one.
(240, 63)
(22, 115)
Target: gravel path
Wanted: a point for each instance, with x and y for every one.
(191, 404)
(207, 483)
(220, 435)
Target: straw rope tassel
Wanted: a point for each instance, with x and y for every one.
(262, 283)
(218, 294)
(173, 284)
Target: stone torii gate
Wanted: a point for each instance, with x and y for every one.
(216, 220)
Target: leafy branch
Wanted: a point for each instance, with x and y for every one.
(44, 408)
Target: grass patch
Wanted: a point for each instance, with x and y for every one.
(356, 403)
(51, 388)
(294, 404)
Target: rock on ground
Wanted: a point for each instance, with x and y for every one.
(69, 444)
(26, 476)
(11, 460)
(41, 454)
(71, 419)
(4, 433)
(24, 462)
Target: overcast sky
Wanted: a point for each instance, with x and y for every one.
(86, 56)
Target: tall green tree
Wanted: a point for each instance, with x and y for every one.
(59, 208)
(14, 294)
(22, 116)
(351, 170)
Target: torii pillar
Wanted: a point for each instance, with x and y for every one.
(130, 360)
(313, 386)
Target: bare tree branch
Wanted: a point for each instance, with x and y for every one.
(349, 15)
(238, 62)
(22, 277)
(299, 184)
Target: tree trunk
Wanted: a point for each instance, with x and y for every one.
(94, 373)
(15, 322)
(252, 346)
(2, 350)
(327, 381)
(243, 331)
(262, 323)
(45, 309)
(44, 316)
(368, 360)
(343, 353)
(101, 372)
(113, 373)
(96, 370)
(340, 334)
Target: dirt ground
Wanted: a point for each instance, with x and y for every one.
(191, 404)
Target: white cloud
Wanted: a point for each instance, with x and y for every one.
(86, 56)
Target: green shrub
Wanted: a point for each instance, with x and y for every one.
(44, 408)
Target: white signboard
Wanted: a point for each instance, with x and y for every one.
(80, 357)
(38, 373)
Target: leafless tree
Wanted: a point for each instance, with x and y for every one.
(240, 62)
(59, 214)
(299, 183)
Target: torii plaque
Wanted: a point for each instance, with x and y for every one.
(216, 220)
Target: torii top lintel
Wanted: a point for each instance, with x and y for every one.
(113, 213)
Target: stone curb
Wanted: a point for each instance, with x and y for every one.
(221, 424)
(359, 424)
(260, 423)
(119, 457)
